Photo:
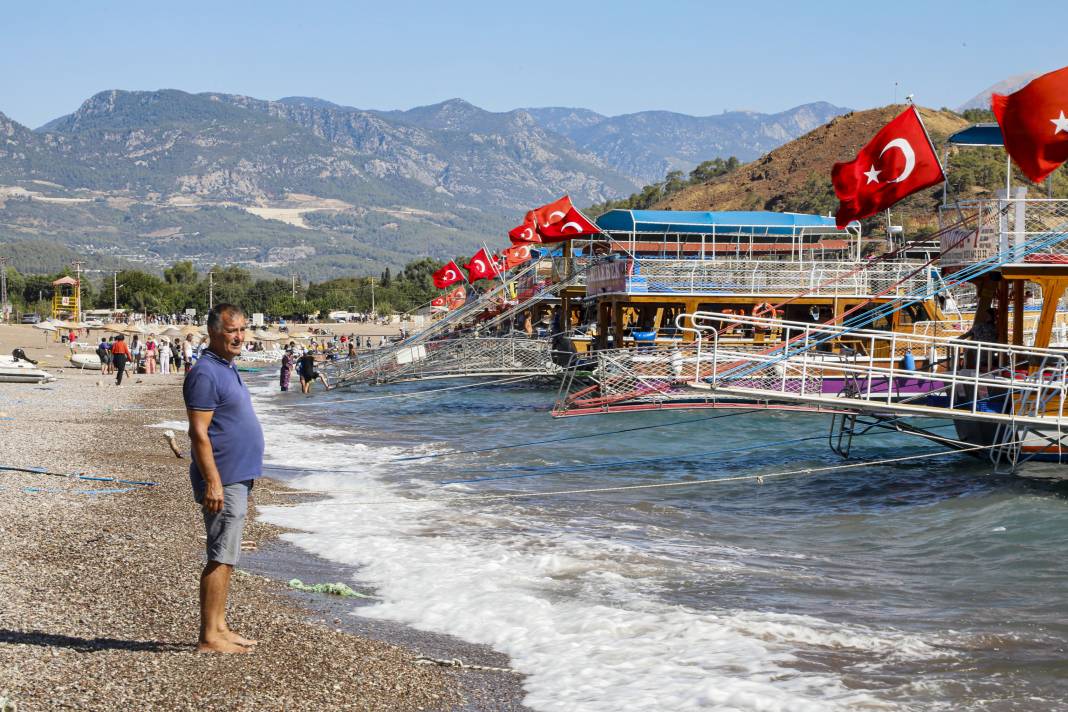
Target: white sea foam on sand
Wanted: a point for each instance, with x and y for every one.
(568, 610)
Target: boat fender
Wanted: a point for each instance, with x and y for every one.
(908, 361)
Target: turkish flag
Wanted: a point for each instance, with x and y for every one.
(553, 212)
(482, 266)
(449, 274)
(899, 161)
(1033, 124)
(438, 303)
(516, 255)
(525, 233)
(455, 298)
(573, 224)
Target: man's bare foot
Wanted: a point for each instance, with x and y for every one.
(220, 645)
(235, 637)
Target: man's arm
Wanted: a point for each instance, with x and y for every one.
(199, 420)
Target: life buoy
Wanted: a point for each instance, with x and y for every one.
(764, 310)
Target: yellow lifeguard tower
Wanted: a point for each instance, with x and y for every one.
(66, 299)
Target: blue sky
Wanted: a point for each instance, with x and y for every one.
(613, 57)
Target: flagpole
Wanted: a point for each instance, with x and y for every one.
(496, 268)
(930, 143)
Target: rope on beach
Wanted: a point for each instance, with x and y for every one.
(759, 479)
(572, 437)
(432, 391)
(75, 475)
(457, 663)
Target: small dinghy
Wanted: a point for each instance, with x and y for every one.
(19, 371)
(90, 361)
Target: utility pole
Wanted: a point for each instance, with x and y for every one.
(293, 282)
(372, 295)
(4, 309)
(78, 296)
(211, 290)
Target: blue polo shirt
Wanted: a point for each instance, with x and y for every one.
(214, 385)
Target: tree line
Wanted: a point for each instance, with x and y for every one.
(181, 287)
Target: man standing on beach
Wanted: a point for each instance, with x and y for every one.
(227, 449)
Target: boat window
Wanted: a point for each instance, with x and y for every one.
(863, 318)
(911, 314)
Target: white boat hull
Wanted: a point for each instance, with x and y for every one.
(12, 371)
(90, 361)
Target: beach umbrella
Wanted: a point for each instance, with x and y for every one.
(302, 335)
(136, 329)
(172, 332)
(267, 336)
(45, 326)
(193, 329)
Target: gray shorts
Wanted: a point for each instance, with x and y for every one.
(225, 527)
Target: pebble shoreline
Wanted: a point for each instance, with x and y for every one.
(100, 590)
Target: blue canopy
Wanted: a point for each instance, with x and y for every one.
(701, 223)
(978, 135)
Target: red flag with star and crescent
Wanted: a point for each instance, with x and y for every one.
(438, 303)
(482, 266)
(1034, 124)
(514, 256)
(455, 298)
(898, 162)
(526, 233)
(572, 224)
(449, 274)
(552, 213)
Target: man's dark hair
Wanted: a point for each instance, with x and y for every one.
(215, 316)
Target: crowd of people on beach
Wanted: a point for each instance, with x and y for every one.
(122, 355)
(150, 355)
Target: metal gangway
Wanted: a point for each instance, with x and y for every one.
(1017, 393)
(434, 352)
(471, 356)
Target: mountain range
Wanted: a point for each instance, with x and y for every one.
(304, 186)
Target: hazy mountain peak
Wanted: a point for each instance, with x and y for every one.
(1005, 86)
(313, 102)
(121, 110)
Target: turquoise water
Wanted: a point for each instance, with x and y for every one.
(927, 584)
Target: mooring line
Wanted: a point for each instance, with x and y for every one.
(570, 437)
(535, 471)
(415, 394)
(627, 488)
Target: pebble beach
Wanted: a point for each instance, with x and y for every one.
(99, 578)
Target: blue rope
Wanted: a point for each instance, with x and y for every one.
(75, 475)
(37, 490)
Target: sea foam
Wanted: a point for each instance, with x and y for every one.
(568, 609)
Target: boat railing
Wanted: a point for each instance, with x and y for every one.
(770, 277)
(976, 380)
(997, 225)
